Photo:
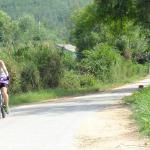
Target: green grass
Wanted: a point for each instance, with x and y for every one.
(140, 102)
(49, 94)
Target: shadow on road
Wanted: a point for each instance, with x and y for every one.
(91, 103)
(125, 90)
(48, 110)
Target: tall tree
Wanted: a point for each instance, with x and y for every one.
(6, 29)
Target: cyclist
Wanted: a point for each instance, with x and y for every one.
(4, 81)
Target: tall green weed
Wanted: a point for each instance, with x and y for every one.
(141, 106)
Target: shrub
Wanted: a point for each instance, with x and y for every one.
(70, 79)
(101, 61)
(33, 67)
(106, 64)
(49, 65)
(30, 77)
(69, 61)
(87, 80)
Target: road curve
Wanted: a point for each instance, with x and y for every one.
(53, 126)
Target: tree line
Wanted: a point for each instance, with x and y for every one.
(122, 24)
(54, 14)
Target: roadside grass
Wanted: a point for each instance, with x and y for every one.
(51, 94)
(140, 102)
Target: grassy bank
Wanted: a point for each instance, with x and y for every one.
(140, 102)
(49, 94)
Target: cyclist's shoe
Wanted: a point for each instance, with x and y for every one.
(6, 108)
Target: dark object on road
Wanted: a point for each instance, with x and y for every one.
(141, 86)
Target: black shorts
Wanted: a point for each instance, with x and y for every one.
(3, 85)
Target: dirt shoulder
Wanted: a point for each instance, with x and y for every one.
(111, 129)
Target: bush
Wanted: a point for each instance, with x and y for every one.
(33, 67)
(41, 66)
(70, 79)
(101, 61)
(69, 61)
(87, 80)
(106, 64)
(49, 65)
(30, 77)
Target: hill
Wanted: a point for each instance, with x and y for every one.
(53, 13)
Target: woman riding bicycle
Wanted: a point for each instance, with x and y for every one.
(4, 81)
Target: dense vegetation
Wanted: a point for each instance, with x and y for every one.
(141, 104)
(117, 23)
(113, 46)
(54, 14)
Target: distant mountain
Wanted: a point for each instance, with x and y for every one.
(53, 13)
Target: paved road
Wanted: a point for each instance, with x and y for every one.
(53, 126)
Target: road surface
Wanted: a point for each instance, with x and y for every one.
(53, 126)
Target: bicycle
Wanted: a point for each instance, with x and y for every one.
(3, 113)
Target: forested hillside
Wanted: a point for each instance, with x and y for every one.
(53, 13)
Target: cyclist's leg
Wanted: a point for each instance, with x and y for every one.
(5, 97)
